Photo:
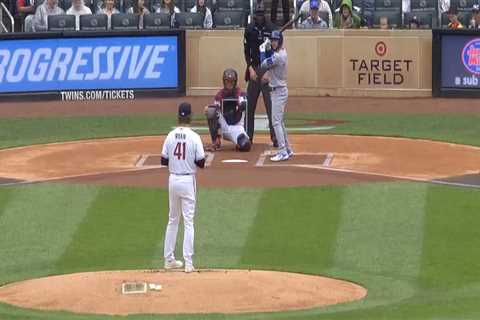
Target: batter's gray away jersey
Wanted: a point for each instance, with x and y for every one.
(277, 67)
(182, 148)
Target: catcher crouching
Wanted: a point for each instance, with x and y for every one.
(226, 115)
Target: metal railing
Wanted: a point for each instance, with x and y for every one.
(4, 10)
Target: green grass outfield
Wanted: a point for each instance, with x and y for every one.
(414, 246)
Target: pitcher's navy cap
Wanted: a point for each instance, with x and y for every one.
(184, 109)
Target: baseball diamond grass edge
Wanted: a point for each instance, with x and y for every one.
(456, 128)
(402, 241)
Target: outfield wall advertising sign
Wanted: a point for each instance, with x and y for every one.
(105, 67)
(456, 63)
(389, 62)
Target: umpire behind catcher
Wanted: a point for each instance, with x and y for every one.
(255, 34)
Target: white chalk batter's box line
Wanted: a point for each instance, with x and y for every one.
(140, 163)
(261, 160)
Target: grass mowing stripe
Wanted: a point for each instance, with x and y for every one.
(5, 194)
(120, 231)
(295, 230)
(381, 229)
(452, 239)
(36, 226)
(222, 220)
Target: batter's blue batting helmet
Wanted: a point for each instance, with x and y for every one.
(277, 35)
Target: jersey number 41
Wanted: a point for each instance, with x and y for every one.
(179, 151)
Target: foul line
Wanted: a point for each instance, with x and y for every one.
(434, 181)
(328, 160)
(141, 160)
(263, 156)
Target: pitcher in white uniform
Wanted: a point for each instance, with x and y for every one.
(182, 152)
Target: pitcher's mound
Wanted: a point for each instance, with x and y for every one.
(206, 291)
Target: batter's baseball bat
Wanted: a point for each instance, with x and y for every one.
(289, 23)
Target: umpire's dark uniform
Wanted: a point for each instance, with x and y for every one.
(255, 34)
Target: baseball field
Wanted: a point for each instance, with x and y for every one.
(408, 233)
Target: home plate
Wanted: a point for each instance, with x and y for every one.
(234, 161)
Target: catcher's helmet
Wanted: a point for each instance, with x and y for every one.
(277, 35)
(230, 74)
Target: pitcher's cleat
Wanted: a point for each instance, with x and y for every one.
(173, 264)
(189, 269)
(290, 153)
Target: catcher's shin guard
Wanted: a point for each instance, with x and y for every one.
(212, 120)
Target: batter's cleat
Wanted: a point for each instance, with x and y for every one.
(281, 156)
(290, 153)
(189, 269)
(174, 264)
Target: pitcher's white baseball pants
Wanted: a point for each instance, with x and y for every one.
(182, 197)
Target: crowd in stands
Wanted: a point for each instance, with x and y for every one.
(314, 14)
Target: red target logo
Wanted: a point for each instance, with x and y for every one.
(381, 48)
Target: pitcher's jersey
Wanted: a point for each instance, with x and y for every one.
(182, 148)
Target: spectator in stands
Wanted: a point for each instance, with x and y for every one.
(78, 9)
(207, 14)
(139, 10)
(168, 6)
(108, 9)
(323, 6)
(405, 6)
(384, 23)
(314, 21)
(346, 18)
(453, 18)
(475, 21)
(47, 8)
(414, 23)
(26, 11)
(285, 11)
(444, 5)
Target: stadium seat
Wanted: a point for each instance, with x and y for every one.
(465, 5)
(386, 5)
(124, 21)
(189, 20)
(61, 22)
(157, 21)
(421, 5)
(426, 19)
(235, 5)
(394, 18)
(228, 19)
(94, 22)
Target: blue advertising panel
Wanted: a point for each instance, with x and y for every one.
(90, 63)
(460, 61)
